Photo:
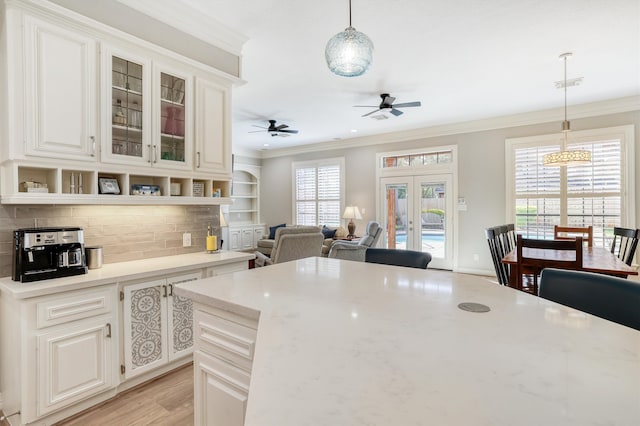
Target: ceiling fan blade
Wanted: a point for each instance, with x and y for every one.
(408, 104)
(280, 127)
(256, 131)
(396, 112)
(280, 134)
(372, 112)
(365, 106)
(288, 131)
(262, 127)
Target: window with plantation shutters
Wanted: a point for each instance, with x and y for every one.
(318, 192)
(599, 194)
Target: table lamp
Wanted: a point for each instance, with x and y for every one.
(351, 212)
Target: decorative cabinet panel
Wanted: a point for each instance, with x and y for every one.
(213, 134)
(73, 364)
(235, 238)
(60, 92)
(157, 325)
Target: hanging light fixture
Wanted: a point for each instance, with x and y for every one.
(349, 53)
(566, 157)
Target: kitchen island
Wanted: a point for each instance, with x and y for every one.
(325, 341)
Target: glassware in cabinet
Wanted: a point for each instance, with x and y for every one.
(172, 118)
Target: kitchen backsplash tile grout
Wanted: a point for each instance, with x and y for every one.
(124, 232)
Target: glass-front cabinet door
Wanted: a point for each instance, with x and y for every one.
(173, 119)
(126, 131)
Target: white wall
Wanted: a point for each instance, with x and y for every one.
(481, 180)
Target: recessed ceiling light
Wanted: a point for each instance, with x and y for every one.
(265, 145)
(354, 130)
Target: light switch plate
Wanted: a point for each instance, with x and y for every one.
(186, 239)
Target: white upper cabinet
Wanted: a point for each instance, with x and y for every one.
(173, 118)
(60, 92)
(126, 109)
(213, 135)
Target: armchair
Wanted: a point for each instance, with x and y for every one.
(352, 250)
(294, 243)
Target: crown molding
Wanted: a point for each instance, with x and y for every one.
(613, 106)
(192, 22)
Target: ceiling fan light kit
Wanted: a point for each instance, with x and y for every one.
(350, 52)
(566, 157)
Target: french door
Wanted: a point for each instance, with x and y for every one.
(418, 215)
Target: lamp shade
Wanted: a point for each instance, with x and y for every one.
(351, 212)
(349, 53)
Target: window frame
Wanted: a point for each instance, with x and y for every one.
(623, 133)
(335, 161)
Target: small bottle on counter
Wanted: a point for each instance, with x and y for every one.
(79, 183)
(72, 184)
(212, 243)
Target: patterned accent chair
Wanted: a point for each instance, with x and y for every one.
(293, 243)
(355, 250)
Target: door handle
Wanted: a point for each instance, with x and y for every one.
(108, 329)
(150, 153)
(171, 290)
(164, 288)
(93, 145)
(198, 161)
(155, 153)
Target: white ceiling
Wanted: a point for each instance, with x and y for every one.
(464, 59)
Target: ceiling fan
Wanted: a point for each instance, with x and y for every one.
(387, 103)
(273, 130)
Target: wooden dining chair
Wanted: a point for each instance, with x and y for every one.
(570, 232)
(532, 266)
(501, 240)
(624, 244)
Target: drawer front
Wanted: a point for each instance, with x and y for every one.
(225, 339)
(74, 307)
(228, 268)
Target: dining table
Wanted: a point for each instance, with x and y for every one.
(594, 259)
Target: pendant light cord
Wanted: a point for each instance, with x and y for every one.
(565, 87)
(350, 15)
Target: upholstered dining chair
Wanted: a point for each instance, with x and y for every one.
(501, 240)
(526, 265)
(570, 232)
(355, 250)
(624, 244)
(604, 296)
(407, 258)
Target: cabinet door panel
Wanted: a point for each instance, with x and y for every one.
(180, 316)
(145, 327)
(221, 392)
(247, 238)
(234, 239)
(74, 364)
(60, 92)
(213, 143)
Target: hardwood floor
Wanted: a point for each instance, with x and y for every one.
(167, 400)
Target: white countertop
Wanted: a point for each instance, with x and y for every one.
(352, 343)
(114, 272)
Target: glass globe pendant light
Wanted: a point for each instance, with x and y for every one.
(349, 53)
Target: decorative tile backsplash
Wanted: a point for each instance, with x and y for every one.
(124, 232)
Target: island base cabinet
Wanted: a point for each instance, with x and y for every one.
(223, 357)
(221, 392)
(74, 364)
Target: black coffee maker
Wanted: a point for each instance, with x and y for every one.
(43, 253)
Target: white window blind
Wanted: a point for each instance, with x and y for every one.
(318, 193)
(590, 194)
